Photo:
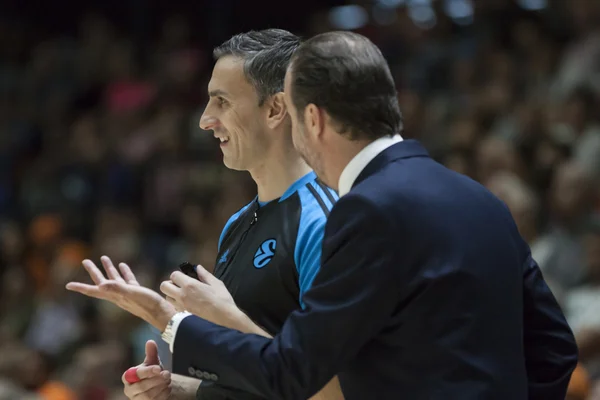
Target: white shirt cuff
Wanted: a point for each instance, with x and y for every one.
(175, 321)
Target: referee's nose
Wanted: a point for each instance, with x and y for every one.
(208, 122)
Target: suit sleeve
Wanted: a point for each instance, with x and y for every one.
(550, 349)
(351, 299)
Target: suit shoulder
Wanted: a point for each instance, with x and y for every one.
(360, 205)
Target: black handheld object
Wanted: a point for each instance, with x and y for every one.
(188, 269)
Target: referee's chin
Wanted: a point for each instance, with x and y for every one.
(232, 164)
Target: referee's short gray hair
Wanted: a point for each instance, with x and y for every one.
(266, 56)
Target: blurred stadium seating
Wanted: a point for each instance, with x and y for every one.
(100, 153)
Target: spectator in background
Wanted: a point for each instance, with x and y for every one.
(571, 204)
(581, 130)
(583, 303)
(495, 155)
(579, 387)
(580, 64)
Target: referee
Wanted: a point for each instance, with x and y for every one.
(269, 251)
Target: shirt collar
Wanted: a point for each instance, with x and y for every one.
(362, 159)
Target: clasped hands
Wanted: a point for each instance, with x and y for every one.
(206, 297)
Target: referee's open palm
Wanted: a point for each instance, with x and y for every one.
(120, 288)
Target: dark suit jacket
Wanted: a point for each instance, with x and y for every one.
(426, 291)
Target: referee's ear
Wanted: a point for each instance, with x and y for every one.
(277, 110)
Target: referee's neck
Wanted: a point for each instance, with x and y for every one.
(274, 176)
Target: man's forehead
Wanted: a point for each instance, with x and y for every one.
(228, 76)
(229, 65)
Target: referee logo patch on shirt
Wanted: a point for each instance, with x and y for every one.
(223, 258)
(265, 253)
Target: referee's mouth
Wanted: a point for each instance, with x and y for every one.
(223, 139)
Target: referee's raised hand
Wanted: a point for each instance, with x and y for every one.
(123, 290)
(154, 382)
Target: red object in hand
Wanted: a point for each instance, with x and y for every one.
(131, 375)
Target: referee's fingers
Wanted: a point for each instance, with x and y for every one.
(206, 276)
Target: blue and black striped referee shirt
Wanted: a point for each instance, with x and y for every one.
(269, 254)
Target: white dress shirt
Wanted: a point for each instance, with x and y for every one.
(169, 334)
(362, 159)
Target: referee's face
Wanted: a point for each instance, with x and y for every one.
(234, 115)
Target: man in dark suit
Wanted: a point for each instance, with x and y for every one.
(426, 289)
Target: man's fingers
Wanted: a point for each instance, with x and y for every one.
(149, 387)
(146, 385)
(170, 290)
(127, 274)
(109, 290)
(164, 394)
(206, 276)
(151, 353)
(142, 372)
(110, 269)
(93, 271)
(155, 392)
(180, 279)
(147, 372)
(88, 290)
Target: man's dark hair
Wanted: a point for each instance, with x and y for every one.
(345, 74)
(266, 55)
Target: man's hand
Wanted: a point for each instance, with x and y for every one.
(123, 290)
(210, 299)
(155, 383)
(207, 298)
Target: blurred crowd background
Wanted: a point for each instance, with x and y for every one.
(101, 154)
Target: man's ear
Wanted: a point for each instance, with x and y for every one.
(314, 120)
(277, 110)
